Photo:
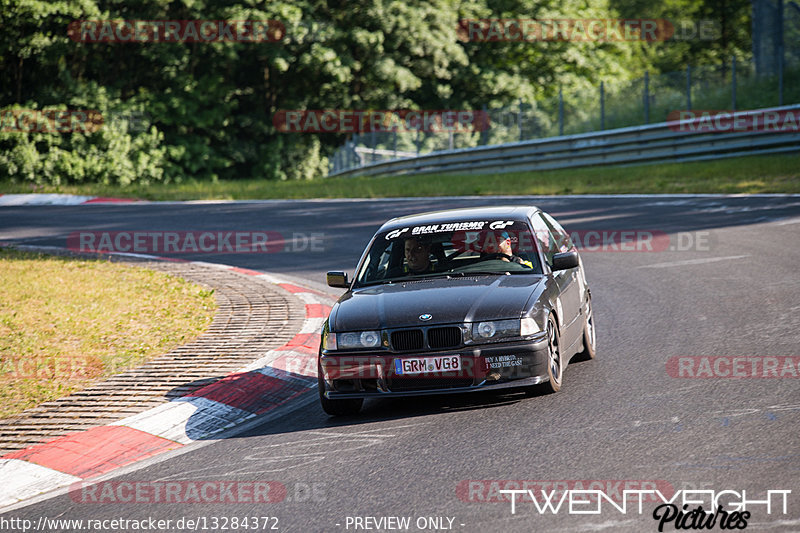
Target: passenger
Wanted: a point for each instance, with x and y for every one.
(418, 256)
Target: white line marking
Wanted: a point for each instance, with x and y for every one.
(604, 525)
(310, 297)
(777, 523)
(693, 261)
(42, 199)
(787, 222)
(218, 266)
(271, 278)
(312, 325)
(22, 480)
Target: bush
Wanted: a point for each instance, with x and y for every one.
(121, 150)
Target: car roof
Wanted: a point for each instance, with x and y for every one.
(518, 212)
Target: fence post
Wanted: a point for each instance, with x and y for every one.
(646, 95)
(560, 112)
(688, 88)
(484, 125)
(602, 106)
(733, 83)
(780, 52)
(519, 119)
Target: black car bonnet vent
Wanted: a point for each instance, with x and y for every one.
(407, 339)
(448, 337)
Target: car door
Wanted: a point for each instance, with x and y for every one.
(569, 298)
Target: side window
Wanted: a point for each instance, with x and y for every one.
(377, 264)
(563, 241)
(545, 238)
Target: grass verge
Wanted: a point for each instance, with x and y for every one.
(66, 323)
(757, 174)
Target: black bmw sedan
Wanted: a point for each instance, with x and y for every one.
(457, 301)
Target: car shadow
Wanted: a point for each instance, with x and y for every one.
(312, 417)
(217, 402)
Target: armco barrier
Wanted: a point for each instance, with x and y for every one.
(663, 142)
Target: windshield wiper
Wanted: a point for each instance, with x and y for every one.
(481, 272)
(413, 277)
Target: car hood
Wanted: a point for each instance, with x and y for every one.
(455, 300)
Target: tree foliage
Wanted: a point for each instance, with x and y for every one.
(208, 107)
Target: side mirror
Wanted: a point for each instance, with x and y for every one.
(565, 260)
(337, 279)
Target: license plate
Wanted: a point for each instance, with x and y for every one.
(423, 365)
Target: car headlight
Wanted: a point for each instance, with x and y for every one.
(495, 329)
(358, 339)
(528, 326)
(328, 340)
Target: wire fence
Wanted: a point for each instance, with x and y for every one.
(732, 85)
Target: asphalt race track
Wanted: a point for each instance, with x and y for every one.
(725, 283)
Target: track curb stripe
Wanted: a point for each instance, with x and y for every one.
(23, 480)
(272, 381)
(253, 392)
(186, 419)
(95, 451)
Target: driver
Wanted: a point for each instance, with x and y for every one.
(503, 246)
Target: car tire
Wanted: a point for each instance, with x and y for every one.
(589, 336)
(555, 362)
(350, 406)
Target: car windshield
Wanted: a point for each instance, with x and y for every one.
(457, 248)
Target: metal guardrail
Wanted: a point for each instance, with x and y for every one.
(654, 143)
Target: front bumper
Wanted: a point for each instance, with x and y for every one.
(483, 367)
